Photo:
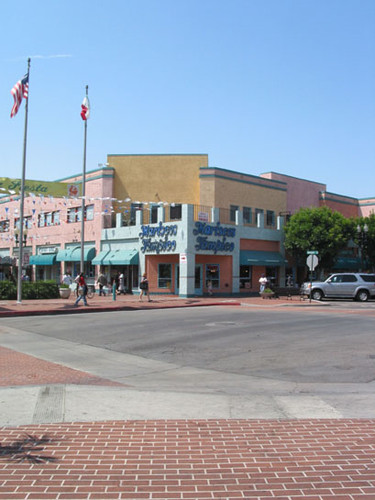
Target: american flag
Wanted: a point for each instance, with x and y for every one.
(20, 90)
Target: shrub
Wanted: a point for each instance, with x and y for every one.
(34, 290)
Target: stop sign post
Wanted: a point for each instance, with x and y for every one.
(312, 261)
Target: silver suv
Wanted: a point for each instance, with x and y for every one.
(358, 286)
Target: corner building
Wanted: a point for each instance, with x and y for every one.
(191, 227)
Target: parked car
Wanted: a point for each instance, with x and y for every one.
(358, 286)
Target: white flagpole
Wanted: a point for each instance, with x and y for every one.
(83, 195)
(20, 239)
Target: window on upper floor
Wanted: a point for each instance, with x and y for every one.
(175, 211)
(4, 226)
(270, 218)
(247, 215)
(233, 209)
(154, 214)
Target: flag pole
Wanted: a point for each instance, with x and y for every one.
(20, 239)
(83, 195)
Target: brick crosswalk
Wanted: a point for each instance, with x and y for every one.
(195, 459)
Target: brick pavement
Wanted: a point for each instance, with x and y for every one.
(22, 369)
(178, 460)
(196, 459)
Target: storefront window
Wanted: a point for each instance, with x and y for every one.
(213, 275)
(271, 273)
(164, 275)
(245, 276)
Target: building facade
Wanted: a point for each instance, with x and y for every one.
(190, 226)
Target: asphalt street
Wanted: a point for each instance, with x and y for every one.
(205, 362)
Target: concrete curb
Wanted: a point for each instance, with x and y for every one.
(94, 309)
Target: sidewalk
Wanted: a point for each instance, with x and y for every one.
(129, 302)
(162, 458)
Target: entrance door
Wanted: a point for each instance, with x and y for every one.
(198, 281)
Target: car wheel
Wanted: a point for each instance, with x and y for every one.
(317, 295)
(363, 296)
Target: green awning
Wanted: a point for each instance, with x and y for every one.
(99, 259)
(349, 263)
(261, 258)
(74, 254)
(117, 258)
(43, 260)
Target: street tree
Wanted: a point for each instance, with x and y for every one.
(365, 239)
(320, 229)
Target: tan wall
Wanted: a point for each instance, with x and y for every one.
(219, 192)
(155, 178)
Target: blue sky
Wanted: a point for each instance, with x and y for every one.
(259, 85)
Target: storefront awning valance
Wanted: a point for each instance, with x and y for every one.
(7, 260)
(347, 263)
(261, 258)
(117, 258)
(74, 254)
(99, 259)
(43, 260)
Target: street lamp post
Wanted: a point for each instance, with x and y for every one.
(362, 239)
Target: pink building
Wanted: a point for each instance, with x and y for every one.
(52, 228)
(304, 193)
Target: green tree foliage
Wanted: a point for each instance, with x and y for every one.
(319, 229)
(369, 241)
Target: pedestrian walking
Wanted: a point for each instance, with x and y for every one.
(144, 286)
(121, 286)
(102, 282)
(82, 290)
(263, 282)
(67, 279)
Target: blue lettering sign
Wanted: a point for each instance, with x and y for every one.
(163, 233)
(203, 230)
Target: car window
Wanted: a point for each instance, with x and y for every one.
(369, 278)
(349, 278)
(336, 279)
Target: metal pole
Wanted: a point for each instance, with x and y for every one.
(83, 195)
(20, 241)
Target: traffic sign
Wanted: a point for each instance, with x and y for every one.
(312, 261)
(312, 252)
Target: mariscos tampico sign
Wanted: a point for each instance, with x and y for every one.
(158, 238)
(202, 231)
(57, 189)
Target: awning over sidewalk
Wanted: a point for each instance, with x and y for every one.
(74, 254)
(43, 260)
(116, 258)
(261, 258)
(350, 263)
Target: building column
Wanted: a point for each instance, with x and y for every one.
(187, 275)
(187, 257)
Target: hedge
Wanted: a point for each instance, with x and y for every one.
(30, 290)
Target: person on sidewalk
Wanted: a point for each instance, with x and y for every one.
(82, 290)
(121, 287)
(67, 279)
(263, 283)
(144, 288)
(102, 282)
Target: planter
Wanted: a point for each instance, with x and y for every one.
(64, 293)
(267, 295)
